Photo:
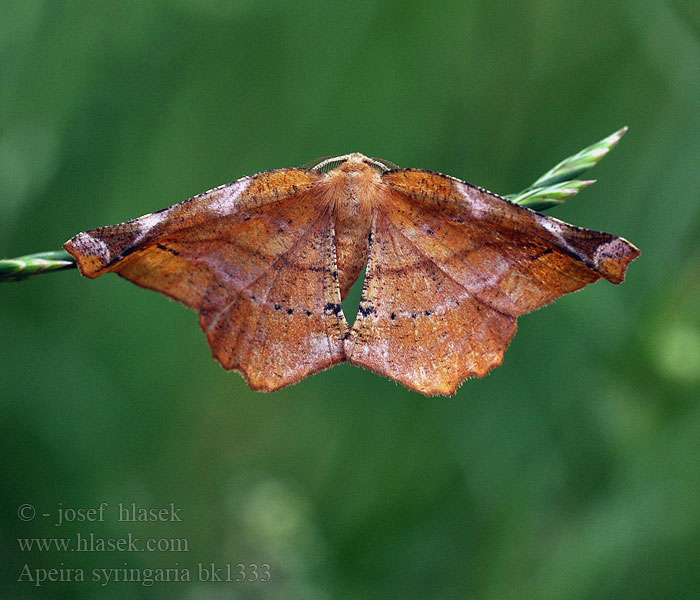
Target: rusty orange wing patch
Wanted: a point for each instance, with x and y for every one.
(267, 260)
(419, 326)
(450, 268)
(253, 258)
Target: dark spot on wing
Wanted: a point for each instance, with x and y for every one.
(366, 310)
(128, 251)
(334, 308)
(171, 250)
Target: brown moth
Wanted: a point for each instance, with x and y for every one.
(267, 261)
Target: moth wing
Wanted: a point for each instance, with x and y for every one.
(450, 268)
(256, 259)
(418, 326)
(509, 257)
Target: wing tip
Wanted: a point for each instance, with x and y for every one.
(90, 253)
(613, 257)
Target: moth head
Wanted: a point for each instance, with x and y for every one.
(351, 161)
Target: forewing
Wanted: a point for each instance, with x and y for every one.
(509, 257)
(256, 258)
(232, 232)
(416, 324)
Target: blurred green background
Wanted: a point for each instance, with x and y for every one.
(573, 471)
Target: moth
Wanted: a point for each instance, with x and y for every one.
(268, 260)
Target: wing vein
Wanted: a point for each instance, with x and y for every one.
(444, 272)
